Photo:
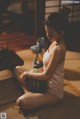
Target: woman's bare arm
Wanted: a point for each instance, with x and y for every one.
(37, 76)
(56, 59)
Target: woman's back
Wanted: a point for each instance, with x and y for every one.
(56, 82)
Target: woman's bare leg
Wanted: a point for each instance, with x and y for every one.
(17, 72)
(36, 100)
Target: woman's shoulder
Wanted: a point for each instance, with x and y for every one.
(60, 48)
(60, 51)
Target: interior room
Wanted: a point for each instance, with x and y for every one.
(23, 42)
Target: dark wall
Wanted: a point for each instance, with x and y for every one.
(4, 4)
(16, 22)
(72, 36)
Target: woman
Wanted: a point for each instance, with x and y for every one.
(53, 67)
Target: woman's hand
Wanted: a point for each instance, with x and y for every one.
(23, 76)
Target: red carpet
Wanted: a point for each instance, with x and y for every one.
(16, 41)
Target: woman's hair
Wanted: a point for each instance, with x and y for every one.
(58, 20)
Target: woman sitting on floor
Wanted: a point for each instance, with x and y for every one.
(53, 66)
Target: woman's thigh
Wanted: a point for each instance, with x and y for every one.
(36, 100)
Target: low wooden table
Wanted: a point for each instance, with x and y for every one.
(9, 59)
(10, 89)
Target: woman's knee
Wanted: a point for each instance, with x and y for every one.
(25, 101)
(21, 102)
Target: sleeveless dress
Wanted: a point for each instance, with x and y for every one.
(56, 83)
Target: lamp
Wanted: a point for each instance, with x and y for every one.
(37, 49)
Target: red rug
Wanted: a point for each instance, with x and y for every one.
(16, 41)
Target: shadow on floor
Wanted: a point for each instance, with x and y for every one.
(71, 75)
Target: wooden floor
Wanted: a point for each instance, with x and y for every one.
(70, 107)
(10, 107)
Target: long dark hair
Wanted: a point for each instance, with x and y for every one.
(58, 20)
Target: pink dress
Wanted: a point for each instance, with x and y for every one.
(56, 83)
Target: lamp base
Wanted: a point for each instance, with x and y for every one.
(38, 64)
